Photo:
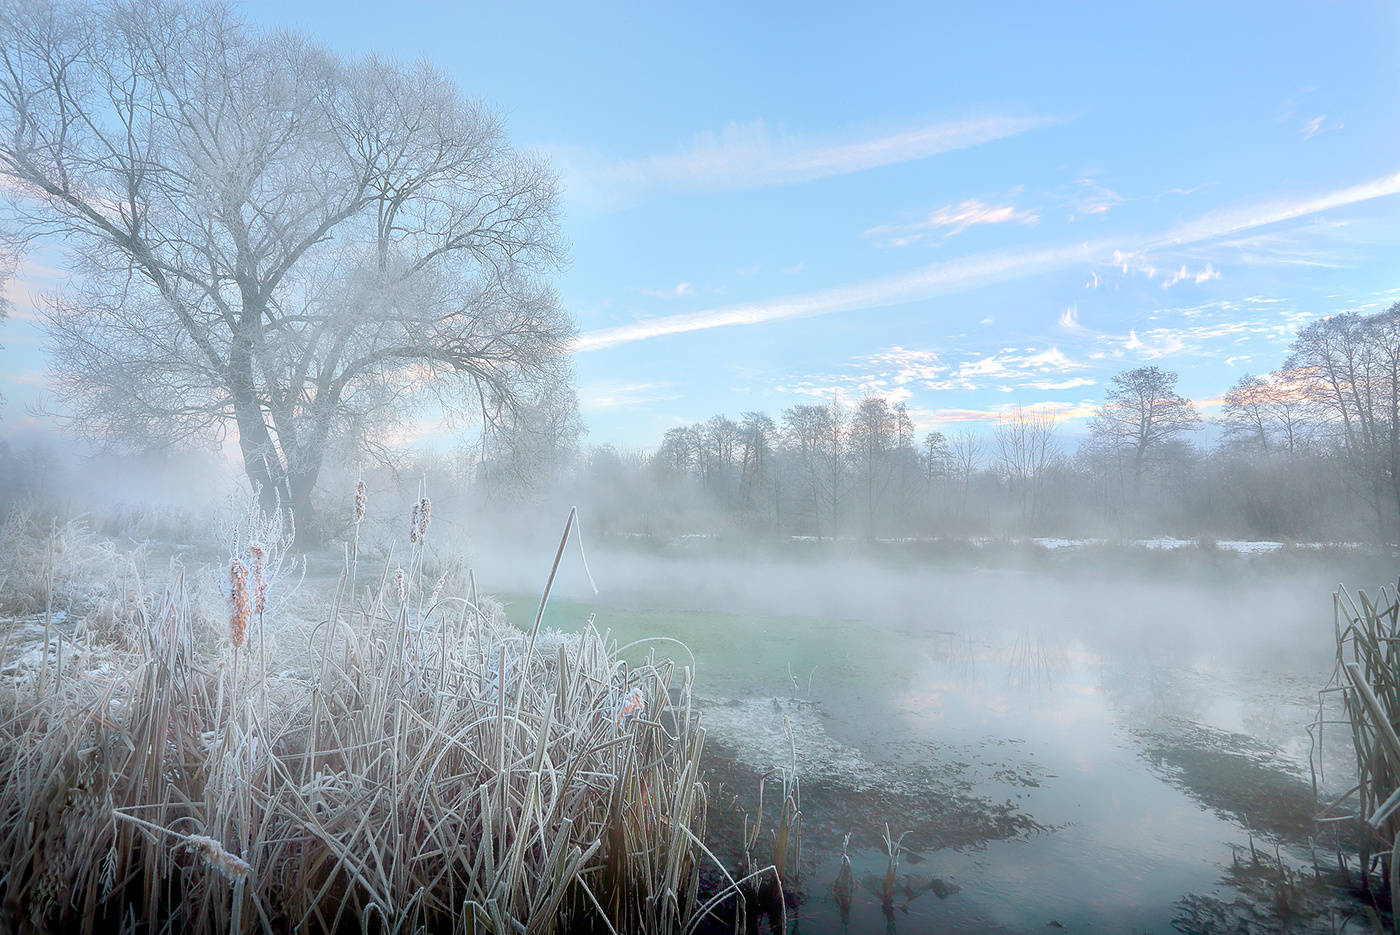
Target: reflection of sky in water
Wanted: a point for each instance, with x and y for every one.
(1125, 844)
(978, 671)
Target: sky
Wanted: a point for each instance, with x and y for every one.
(961, 207)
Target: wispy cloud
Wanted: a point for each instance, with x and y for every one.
(949, 221)
(1316, 125)
(680, 290)
(898, 372)
(938, 279)
(970, 272)
(1088, 198)
(601, 396)
(753, 155)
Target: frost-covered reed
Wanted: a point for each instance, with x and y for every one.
(395, 764)
(1367, 676)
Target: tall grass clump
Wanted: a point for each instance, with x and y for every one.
(1367, 676)
(400, 761)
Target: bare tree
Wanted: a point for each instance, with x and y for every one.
(269, 240)
(758, 435)
(1141, 413)
(807, 432)
(1266, 414)
(936, 456)
(1026, 451)
(872, 438)
(965, 456)
(1348, 366)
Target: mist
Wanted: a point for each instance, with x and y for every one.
(694, 471)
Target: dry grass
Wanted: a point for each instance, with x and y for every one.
(397, 765)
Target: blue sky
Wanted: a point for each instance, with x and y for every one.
(963, 207)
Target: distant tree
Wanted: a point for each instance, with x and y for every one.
(807, 434)
(1348, 366)
(872, 439)
(757, 435)
(268, 240)
(1141, 413)
(965, 457)
(1245, 414)
(935, 456)
(1266, 414)
(1026, 449)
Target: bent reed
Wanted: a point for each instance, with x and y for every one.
(406, 763)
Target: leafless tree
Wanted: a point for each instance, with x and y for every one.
(1348, 365)
(267, 239)
(872, 438)
(1141, 413)
(965, 456)
(1026, 450)
(1266, 414)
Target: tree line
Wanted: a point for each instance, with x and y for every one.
(1309, 451)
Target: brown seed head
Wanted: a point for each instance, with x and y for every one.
(360, 499)
(422, 511)
(259, 576)
(233, 868)
(401, 582)
(238, 597)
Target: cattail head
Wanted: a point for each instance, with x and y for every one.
(233, 868)
(437, 589)
(423, 510)
(413, 522)
(360, 500)
(258, 553)
(401, 582)
(632, 704)
(238, 598)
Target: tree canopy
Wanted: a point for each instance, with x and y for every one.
(268, 240)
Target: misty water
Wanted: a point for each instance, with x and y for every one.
(1106, 742)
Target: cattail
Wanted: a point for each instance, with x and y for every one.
(238, 596)
(401, 582)
(423, 509)
(632, 704)
(233, 868)
(259, 552)
(413, 522)
(360, 499)
(437, 589)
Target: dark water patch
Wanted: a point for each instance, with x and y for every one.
(1261, 892)
(1236, 776)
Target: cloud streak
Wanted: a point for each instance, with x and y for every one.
(938, 279)
(751, 155)
(950, 220)
(966, 273)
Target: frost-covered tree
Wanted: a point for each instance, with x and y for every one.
(1141, 414)
(267, 240)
